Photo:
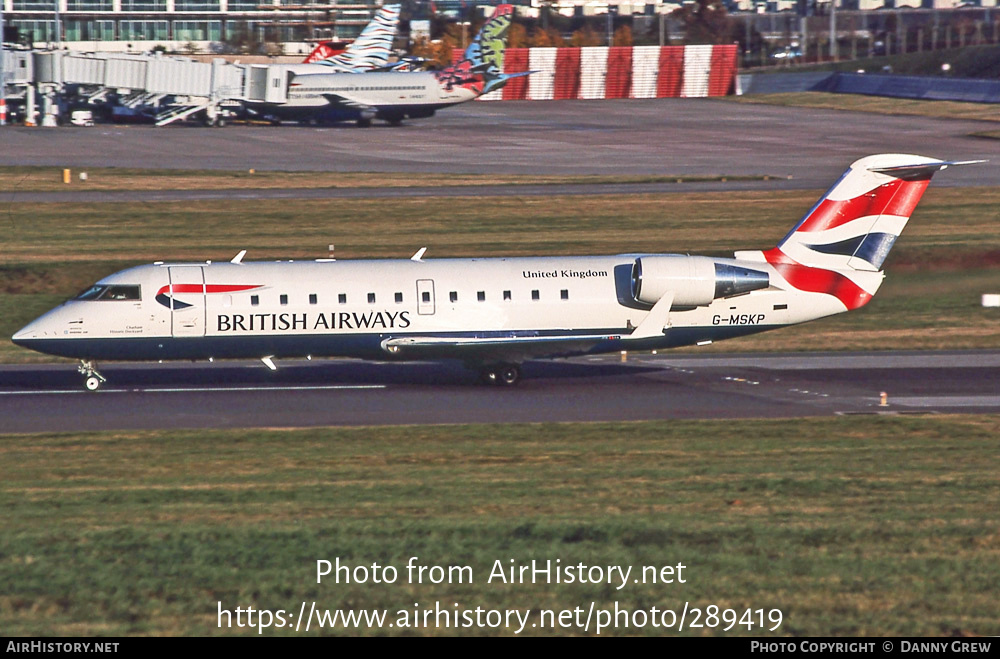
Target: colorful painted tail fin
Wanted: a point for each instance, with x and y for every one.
(372, 47)
(854, 225)
(482, 64)
(485, 53)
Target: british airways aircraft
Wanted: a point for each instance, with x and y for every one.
(396, 95)
(369, 52)
(494, 313)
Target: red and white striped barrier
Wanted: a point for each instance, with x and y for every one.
(618, 72)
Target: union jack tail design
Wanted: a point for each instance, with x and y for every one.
(840, 245)
(372, 47)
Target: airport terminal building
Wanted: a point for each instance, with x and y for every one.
(182, 25)
(289, 27)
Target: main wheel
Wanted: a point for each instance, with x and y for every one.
(93, 383)
(510, 374)
(489, 375)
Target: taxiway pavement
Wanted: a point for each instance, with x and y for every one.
(635, 137)
(37, 398)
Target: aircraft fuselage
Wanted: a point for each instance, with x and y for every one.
(382, 95)
(353, 308)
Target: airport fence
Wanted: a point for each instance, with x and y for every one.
(928, 88)
(602, 72)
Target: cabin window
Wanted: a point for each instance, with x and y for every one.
(312, 298)
(453, 296)
(399, 298)
(506, 295)
(371, 298)
(481, 296)
(99, 292)
(564, 294)
(342, 298)
(254, 300)
(283, 299)
(534, 294)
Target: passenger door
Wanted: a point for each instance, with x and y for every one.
(187, 300)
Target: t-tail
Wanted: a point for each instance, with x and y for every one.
(484, 56)
(371, 50)
(839, 247)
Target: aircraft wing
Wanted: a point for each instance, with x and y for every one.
(500, 348)
(513, 347)
(347, 102)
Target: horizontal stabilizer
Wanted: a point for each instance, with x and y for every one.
(921, 169)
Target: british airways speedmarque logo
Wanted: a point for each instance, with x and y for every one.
(165, 295)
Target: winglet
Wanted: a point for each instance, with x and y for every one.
(238, 259)
(419, 256)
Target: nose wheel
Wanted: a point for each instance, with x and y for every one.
(501, 374)
(94, 378)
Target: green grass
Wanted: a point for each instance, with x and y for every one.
(47, 179)
(862, 526)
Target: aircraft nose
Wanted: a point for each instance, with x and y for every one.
(22, 334)
(32, 330)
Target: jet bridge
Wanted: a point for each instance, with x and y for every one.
(16, 75)
(145, 80)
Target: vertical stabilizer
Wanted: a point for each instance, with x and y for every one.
(485, 53)
(839, 247)
(371, 49)
(481, 67)
(854, 225)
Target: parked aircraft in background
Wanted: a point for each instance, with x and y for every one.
(369, 52)
(394, 96)
(495, 313)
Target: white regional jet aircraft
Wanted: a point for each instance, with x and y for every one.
(494, 313)
(393, 95)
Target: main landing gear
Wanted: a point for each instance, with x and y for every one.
(505, 374)
(94, 379)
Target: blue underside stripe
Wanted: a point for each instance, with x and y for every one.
(365, 346)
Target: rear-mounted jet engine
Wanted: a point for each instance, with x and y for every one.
(695, 281)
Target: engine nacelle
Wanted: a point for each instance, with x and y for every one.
(696, 281)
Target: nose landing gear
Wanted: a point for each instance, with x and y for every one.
(94, 379)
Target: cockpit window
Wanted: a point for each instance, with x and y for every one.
(105, 292)
(92, 293)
